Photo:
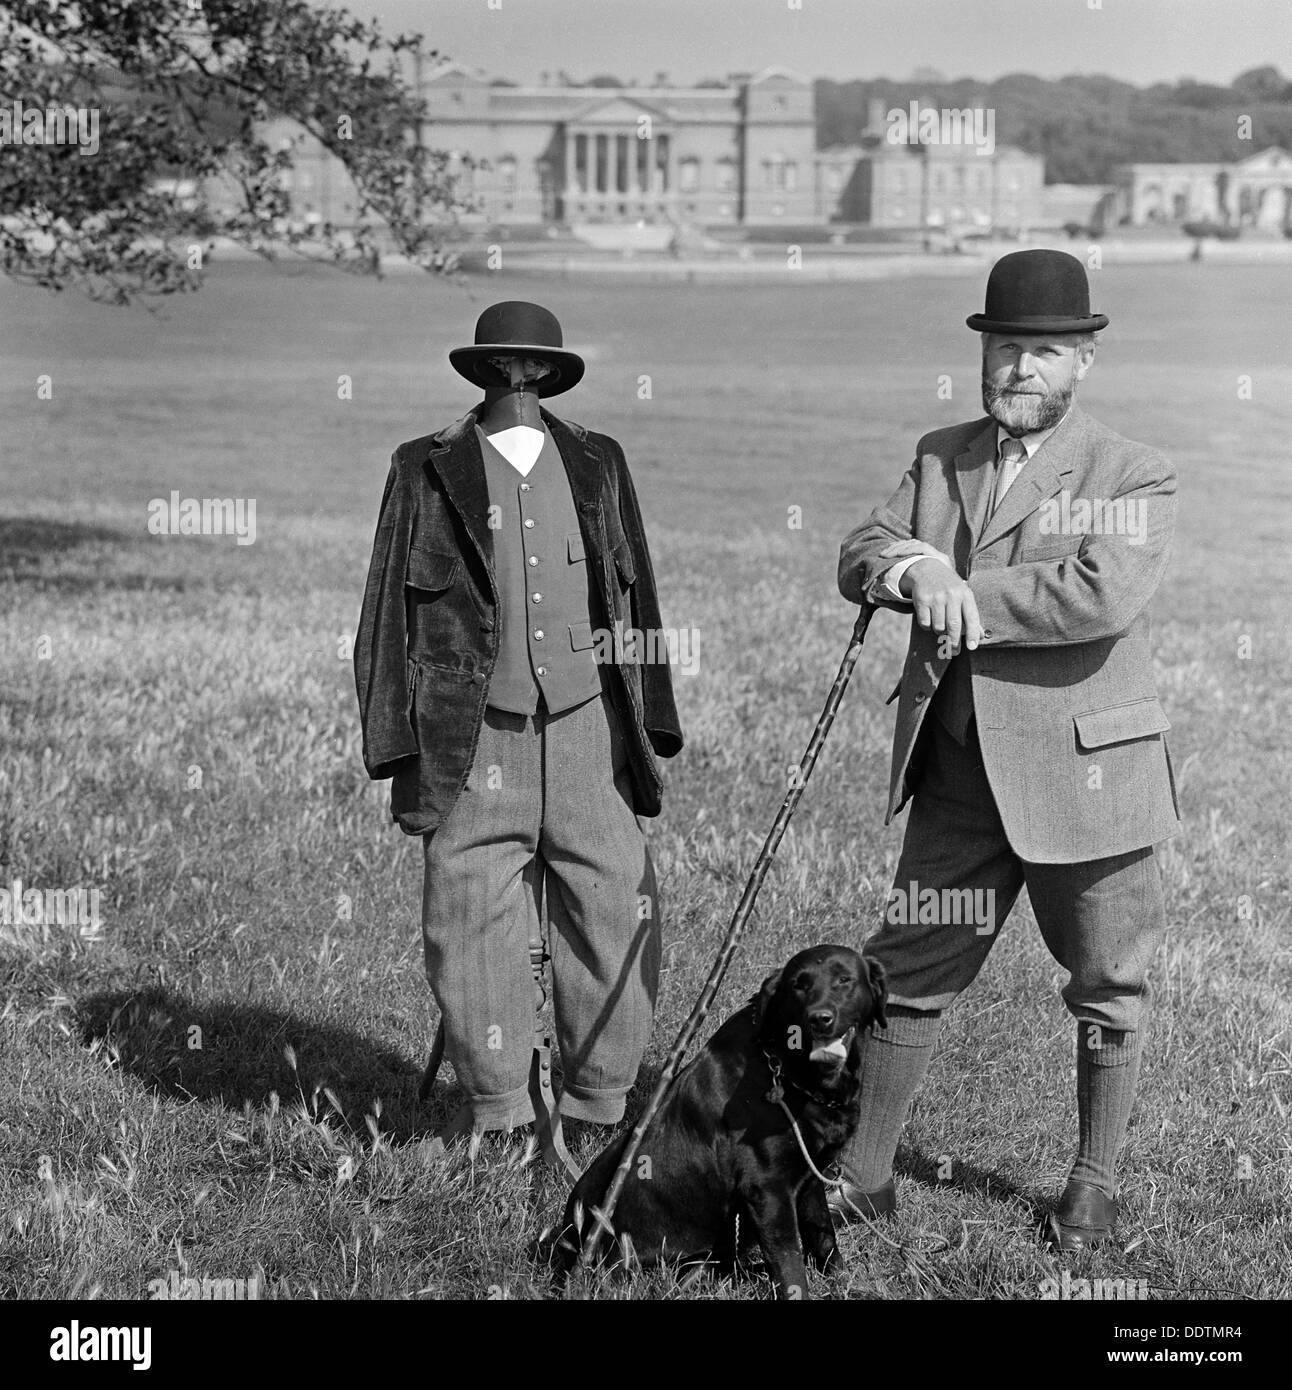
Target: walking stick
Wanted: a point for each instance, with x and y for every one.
(601, 1217)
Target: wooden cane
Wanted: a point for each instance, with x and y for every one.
(600, 1218)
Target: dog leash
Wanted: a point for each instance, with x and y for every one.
(602, 1215)
(777, 1095)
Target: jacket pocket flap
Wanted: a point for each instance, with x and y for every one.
(430, 569)
(574, 542)
(1120, 723)
(624, 563)
(580, 636)
(1050, 548)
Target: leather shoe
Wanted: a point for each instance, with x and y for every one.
(1083, 1219)
(849, 1203)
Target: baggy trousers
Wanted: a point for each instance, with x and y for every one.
(1102, 919)
(547, 809)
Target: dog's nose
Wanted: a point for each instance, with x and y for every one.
(822, 1020)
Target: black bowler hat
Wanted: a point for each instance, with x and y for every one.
(516, 329)
(1037, 292)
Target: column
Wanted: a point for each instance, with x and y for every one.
(612, 164)
(569, 162)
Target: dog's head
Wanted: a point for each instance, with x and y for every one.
(813, 1010)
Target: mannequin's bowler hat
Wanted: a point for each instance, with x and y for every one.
(516, 329)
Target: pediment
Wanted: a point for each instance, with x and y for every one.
(619, 110)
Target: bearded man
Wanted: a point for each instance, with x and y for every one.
(1029, 738)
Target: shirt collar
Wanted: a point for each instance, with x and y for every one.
(1031, 442)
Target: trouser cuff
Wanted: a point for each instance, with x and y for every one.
(505, 1111)
(600, 1107)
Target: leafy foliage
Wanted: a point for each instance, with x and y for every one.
(183, 87)
(1086, 125)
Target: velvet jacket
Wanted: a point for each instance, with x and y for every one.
(428, 633)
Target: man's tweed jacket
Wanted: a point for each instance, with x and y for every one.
(1071, 731)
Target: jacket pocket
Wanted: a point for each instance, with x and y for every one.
(1052, 548)
(581, 636)
(1120, 724)
(574, 547)
(430, 569)
(624, 564)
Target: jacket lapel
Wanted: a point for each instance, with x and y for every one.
(1040, 477)
(460, 464)
(974, 473)
(584, 465)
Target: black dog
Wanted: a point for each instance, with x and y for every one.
(720, 1166)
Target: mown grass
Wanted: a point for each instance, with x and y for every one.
(191, 749)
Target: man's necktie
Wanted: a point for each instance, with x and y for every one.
(1013, 455)
(953, 700)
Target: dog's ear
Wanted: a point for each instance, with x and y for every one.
(878, 990)
(763, 999)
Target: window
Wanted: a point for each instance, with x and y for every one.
(688, 174)
(791, 179)
(727, 174)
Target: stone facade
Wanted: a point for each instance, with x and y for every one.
(1251, 192)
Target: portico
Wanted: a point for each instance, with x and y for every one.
(619, 162)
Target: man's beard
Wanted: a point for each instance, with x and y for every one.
(1026, 413)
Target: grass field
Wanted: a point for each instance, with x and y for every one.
(178, 728)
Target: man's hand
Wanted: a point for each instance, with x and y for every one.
(943, 602)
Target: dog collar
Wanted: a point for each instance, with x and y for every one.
(776, 1093)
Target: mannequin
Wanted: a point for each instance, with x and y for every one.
(511, 416)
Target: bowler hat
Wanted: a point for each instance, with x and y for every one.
(1037, 292)
(516, 329)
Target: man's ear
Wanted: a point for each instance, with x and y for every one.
(878, 991)
(763, 999)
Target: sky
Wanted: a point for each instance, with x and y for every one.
(1139, 41)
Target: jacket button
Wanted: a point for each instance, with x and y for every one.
(529, 523)
(525, 487)
(538, 634)
(478, 678)
(537, 597)
(533, 559)
(540, 670)
(919, 697)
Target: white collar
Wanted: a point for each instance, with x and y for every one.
(520, 445)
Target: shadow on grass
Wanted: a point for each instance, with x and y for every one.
(232, 1054)
(34, 550)
(968, 1177)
